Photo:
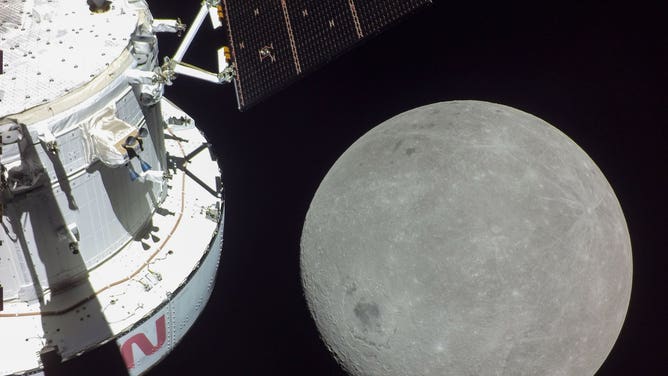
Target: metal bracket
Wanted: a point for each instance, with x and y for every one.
(168, 26)
(171, 68)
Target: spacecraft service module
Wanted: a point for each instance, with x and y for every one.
(112, 210)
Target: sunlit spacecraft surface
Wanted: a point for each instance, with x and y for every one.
(111, 198)
(105, 236)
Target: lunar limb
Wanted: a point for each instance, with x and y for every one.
(466, 238)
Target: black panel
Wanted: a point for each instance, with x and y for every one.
(321, 29)
(260, 46)
(376, 14)
(274, 42)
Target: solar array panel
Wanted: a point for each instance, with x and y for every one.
(275, 42)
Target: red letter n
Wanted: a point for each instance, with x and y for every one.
(143, 343)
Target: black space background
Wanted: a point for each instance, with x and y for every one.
(597, 72)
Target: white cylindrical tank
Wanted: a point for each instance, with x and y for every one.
(95, 245)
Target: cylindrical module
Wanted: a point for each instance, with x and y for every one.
(96, 246)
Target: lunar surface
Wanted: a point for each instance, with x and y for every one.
(466, 238)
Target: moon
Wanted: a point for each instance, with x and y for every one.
(466, 238)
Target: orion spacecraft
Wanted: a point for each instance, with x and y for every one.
(111, 198)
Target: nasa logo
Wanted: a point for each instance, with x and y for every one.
(143, 343)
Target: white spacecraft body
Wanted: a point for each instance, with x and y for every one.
(112, 210)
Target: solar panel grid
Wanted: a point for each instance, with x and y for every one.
(261, 47)
(374, 15)
(276, 42)
(321, 29)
